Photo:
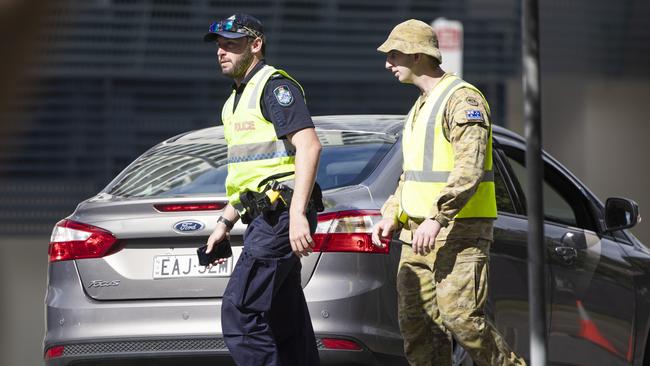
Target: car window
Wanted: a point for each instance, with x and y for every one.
(504, 200)
(563, 202)
(183, 168)
(556, 208)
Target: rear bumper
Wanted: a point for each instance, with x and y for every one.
(198, 351)
(356, 306)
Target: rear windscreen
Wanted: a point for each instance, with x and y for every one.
(183, 168)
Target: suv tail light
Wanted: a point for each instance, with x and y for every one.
(348, 231)
(343, 344)
(54, 352)
(74, 240)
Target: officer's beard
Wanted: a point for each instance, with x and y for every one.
(239, 69)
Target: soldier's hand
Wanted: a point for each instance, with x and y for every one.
(424, 238)
(299, 235)
(220, 232)
(383, 228)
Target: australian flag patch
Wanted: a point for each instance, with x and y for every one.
(474, 115)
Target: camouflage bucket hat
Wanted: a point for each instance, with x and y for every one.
(411, 37)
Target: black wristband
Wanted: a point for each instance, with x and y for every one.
(229, 224)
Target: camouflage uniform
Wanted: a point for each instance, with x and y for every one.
(444, 292)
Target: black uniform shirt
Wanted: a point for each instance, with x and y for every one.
(282, 103)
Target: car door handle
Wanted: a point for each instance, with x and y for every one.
(566, 253)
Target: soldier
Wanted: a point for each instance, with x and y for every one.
(273, 155)
(445, 207)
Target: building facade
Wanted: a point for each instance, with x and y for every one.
(113, 77)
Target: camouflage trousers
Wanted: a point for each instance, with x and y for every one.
(443, 294)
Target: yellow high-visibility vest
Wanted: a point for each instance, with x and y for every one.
(429, 159)
(254, 151)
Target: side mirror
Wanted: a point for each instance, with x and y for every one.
(620, 213)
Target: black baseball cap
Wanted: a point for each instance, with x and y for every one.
(236, 26)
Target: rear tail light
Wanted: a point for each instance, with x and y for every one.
(181, 207)
(344, 344)
(54, 352)
(348, 231)
(74, 240)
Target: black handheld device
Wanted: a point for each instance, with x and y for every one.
(221, 250)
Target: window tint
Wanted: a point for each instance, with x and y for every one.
(556, 208)
(564, 203)
(182, 168)
(504, 201)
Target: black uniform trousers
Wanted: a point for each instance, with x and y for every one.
(264, 316)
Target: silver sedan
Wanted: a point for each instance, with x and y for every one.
(125, 286)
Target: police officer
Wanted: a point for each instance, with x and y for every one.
(445, 207)
(272, 149)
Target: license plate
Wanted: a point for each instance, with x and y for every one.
(179, 266)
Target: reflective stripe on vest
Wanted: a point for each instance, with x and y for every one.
(260, 150)
(440, 177)
(254, 151)
(429, 160)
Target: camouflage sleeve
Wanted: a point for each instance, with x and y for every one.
(390, 209)
(466, 125)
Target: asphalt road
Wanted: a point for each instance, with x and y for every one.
(23, 275)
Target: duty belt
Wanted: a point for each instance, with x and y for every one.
(276, 196)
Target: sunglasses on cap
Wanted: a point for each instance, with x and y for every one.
(233, 26)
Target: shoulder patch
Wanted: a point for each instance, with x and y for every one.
(474, 115)
(283, 95)
(472, 101)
